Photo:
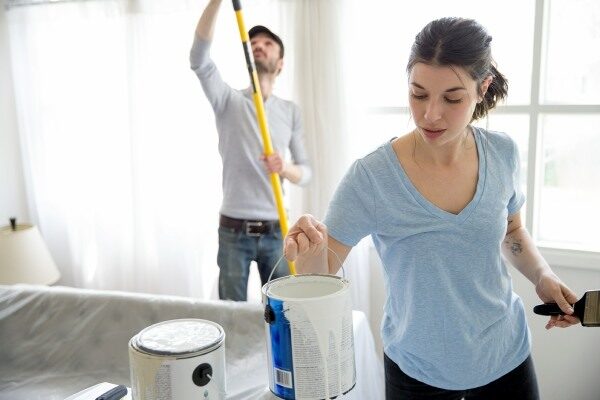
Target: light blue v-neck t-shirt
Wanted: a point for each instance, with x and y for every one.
(451, 318)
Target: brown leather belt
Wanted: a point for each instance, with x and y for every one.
(248, 227)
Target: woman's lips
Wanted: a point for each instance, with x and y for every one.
(433, 134)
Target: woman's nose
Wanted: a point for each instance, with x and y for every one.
(433, 111)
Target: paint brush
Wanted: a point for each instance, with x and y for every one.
(587, 309)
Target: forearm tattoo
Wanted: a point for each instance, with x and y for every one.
(514, 245)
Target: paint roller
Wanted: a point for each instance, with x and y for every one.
(262, 120)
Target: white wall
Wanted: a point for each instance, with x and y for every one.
(13, 201)
(567, 361)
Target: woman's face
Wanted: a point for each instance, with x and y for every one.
(442, 100)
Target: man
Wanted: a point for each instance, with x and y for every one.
(248, 227)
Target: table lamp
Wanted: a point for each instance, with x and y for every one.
(24, 257)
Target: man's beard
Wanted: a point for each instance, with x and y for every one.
(265, 67)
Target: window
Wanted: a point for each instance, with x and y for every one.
(548, 51)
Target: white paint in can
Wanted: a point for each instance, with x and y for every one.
(179, 359)
(315, 313)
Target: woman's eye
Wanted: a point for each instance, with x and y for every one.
(418, 96)
(453, 101)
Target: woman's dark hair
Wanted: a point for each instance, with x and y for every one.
(463, 43)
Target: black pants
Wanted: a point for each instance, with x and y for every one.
(518, 384)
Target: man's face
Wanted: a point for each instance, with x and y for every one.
(266, 54)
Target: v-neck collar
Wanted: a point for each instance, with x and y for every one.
(428, 205)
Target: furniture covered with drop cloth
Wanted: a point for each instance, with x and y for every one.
(57, 341)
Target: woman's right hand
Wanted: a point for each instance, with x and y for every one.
(306, 244)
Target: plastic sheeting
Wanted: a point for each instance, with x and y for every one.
(57, 341)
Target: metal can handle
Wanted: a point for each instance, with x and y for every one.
(328, 248)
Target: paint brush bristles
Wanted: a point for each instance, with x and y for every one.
(591, 313)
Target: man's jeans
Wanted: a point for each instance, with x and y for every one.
(237, 250)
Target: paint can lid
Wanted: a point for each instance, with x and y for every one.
(306, 287)
(180, 337)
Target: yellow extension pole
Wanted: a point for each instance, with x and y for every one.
(262, 121)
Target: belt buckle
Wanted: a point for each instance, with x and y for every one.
(253, 224)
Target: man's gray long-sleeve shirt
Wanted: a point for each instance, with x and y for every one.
(247, 192)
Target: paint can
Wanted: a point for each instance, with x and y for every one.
(310, 341)
(179, 359)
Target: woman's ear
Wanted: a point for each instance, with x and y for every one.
(483, 88)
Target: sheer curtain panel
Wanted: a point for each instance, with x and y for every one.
(119, 146)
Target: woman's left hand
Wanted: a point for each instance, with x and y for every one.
(551, 290)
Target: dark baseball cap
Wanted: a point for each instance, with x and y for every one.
(263, 29)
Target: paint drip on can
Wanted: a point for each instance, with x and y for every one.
(310, 342)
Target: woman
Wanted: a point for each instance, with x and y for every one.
(442, 205)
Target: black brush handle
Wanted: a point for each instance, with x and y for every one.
(116, 393)
(548, 309)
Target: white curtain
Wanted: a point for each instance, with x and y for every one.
(119, 144)
(326, 90)
(122, 165)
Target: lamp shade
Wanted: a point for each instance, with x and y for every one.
(24, 257)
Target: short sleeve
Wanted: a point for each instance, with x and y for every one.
(518, 198)
(352, 213)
